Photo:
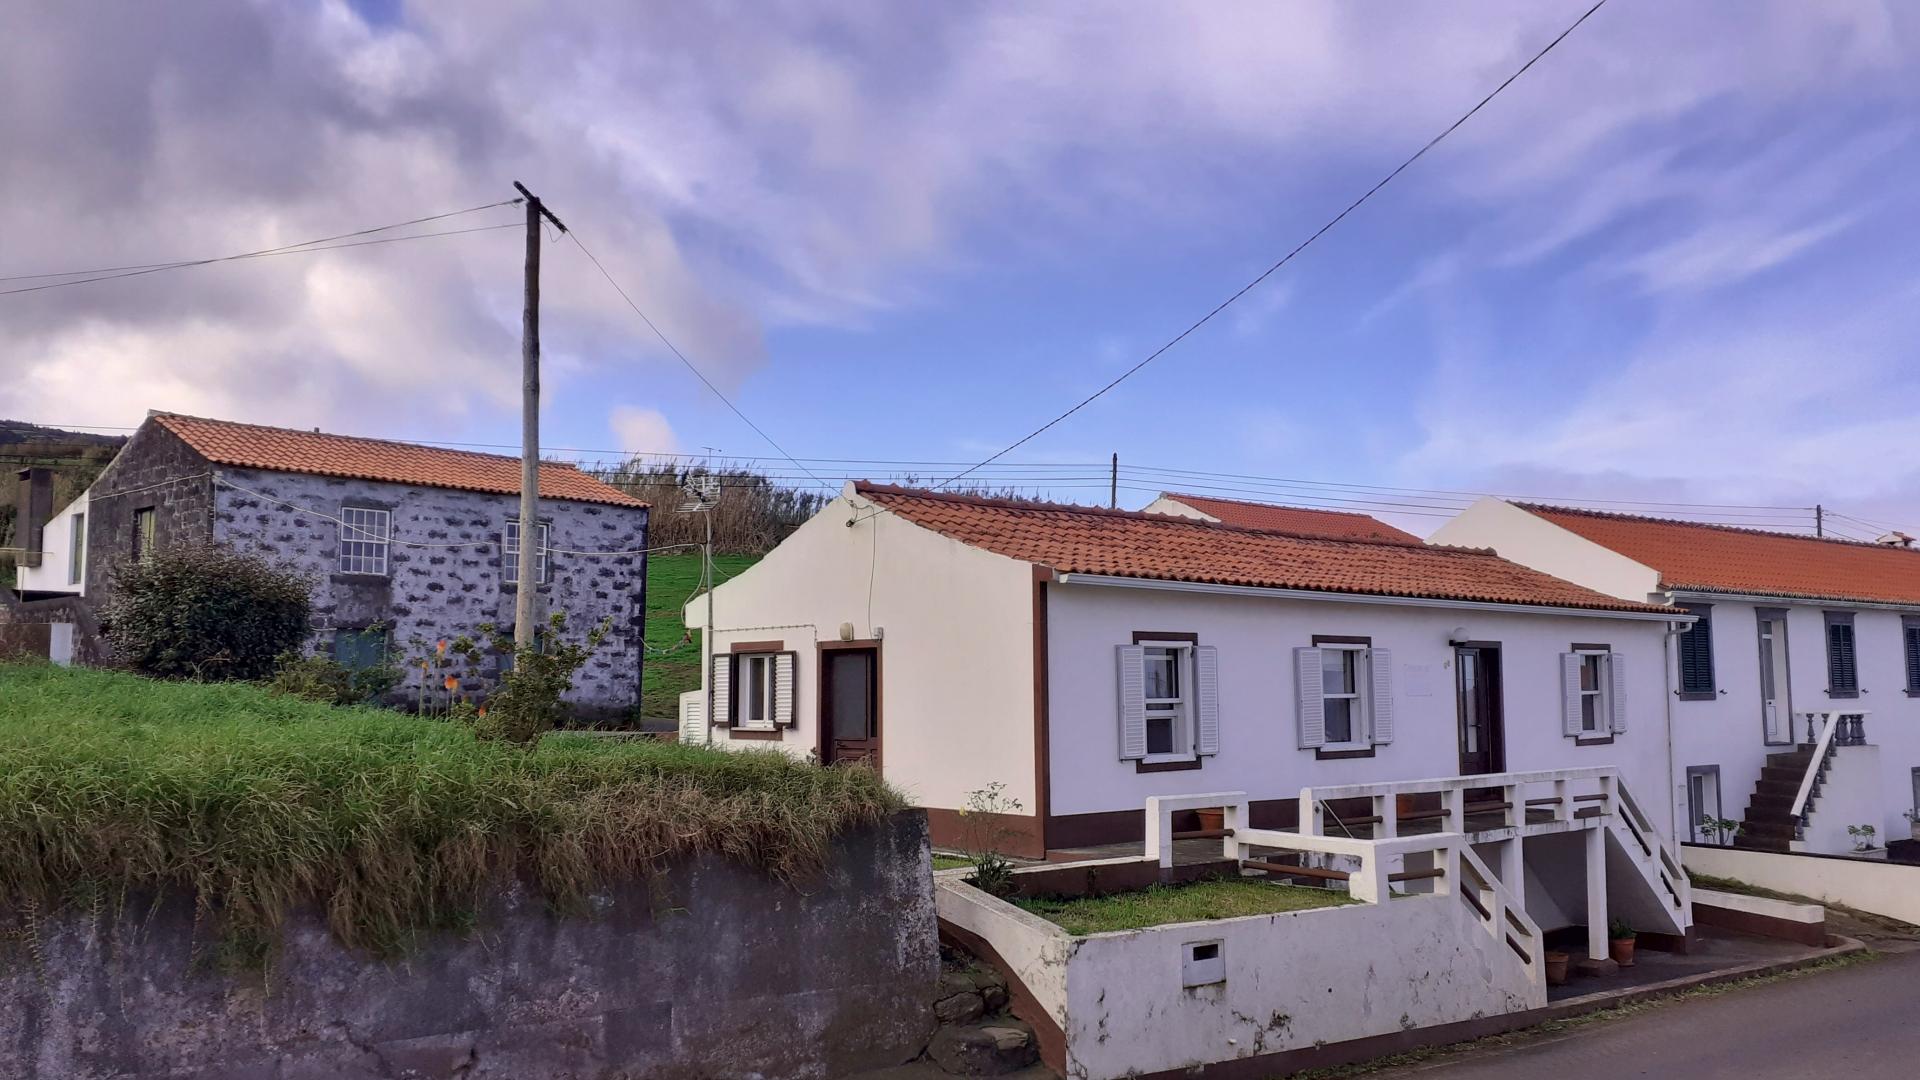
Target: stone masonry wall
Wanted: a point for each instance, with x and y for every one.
(718, 973)
(452, 581)
(155, 469)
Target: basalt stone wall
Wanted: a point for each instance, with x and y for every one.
(714, 972)
(156, 471)
(445, 568)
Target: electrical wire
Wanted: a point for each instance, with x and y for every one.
(1288, 257)
(141, 269)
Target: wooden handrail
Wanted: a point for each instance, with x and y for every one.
(1297, 871)
(1418, 875)
(1204, 834)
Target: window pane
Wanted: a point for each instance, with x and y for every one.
(1339, 720)
(1160, 734)
(1589, 673)
(757, 688)
(1336, 666)
(1589, 712)
(1163, 674)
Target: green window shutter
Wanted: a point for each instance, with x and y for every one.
(1843, 673)
(1912, 635)
(1696, 654)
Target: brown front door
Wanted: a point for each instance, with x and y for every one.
(1477, 684)
(850, 705)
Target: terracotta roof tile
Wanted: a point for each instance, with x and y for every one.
(1305, 521)
(1723, 558)
(1125, 543)
(253, 446)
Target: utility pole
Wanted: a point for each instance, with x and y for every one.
(529, 556)
(1113, 484)
(1819, 520)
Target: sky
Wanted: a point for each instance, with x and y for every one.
(1672, 263)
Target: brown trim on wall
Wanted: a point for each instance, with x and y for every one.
(1341, 755)
(1042, 718)
(1604, 740)
(1341, 639)
(1020, 833)
(758, 646)
(1166, 766)
(1165, 635)
(1589, 646)
(1128, 826)
(754, 735)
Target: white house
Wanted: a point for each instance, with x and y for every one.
(1087, 659)
(1795, 697)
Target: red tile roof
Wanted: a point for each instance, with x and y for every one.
(1128, 543)
(1303, 521)
(253, 446)
(1722, 558)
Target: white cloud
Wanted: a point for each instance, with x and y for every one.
(640, 430)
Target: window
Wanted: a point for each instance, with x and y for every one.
(1696, 656)
(363, 540)
(1843, 673)
(1593, 692)
(1910, 634)
(756, 691)
(1343, 686)
(358, 650)
(753, 691)
(510, 568)
(144, 535)
(1915, 775)
(77, 550)
(1168, 699)
(1593, 685)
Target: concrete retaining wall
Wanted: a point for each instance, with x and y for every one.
(716, 972)
(1883, 888)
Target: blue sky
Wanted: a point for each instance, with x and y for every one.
(1671, 263)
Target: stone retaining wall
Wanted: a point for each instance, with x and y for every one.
(715, 972)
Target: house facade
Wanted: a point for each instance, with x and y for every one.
(402, 542)
(1794, 635)
(1086, 659)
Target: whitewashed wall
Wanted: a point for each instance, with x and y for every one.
(55, 558)
(1260, 751)
(1534, 541)
(956, 658)
(1883, 888)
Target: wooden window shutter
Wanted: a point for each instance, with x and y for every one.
(723, 690)
(784, 714)
(1206, 700)
(1617, 690)
(1911, 633)
(1696, 653)
(1380, 667)
(1309, 679)
(1132, 661)
(693, 722)
(1570, 694)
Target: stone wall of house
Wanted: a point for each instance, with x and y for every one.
(444, 574)
(155, 469)
(715, 972)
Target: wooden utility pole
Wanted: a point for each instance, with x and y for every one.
(1113, 484)
(529, 555)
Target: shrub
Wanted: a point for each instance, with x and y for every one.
(528, 703)
(198, 611)
(326, 680)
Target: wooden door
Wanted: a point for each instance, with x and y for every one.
(850, 705)
(1477, 685)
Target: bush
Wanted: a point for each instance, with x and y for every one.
(203, 612)
(528, 703)
(326, 680)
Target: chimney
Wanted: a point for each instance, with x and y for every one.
(1896, 539)
(35, 506)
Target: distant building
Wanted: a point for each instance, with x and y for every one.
(402, 541)
(1300, 520)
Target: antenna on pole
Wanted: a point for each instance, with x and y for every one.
(700, 493)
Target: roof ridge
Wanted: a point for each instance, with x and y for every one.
(1744, 530)
(868, 486)
(1268, 505)
(163, 415)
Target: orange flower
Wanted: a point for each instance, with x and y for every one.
(442, 647)
(452, 683)
(482, 710)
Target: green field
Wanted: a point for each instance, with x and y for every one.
(112, 785)
(673, 655)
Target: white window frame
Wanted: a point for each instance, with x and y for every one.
(77, 549)
(1602, 695)
(1178, 710)
(510, 553)
(754, 677)
(1361, 712)
(366, 535)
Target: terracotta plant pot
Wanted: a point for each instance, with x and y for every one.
(1212, 818)
(1621, 950)
(1557, 967)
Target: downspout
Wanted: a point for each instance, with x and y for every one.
(1671, 651)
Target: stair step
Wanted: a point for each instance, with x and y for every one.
(1775, 772)
(1770, 828)
(1795, 760)
(991, 1048)
(1760, 843)
(1769, 805)
(1788, 788)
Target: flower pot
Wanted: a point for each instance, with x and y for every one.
(1621, 950)
(1557, 963)
(1212, 819)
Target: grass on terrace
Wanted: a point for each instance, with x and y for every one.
(112, 784)
(1158, 905)
(673, 657)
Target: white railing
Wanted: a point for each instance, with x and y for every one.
(1446, 859)
(1832, 723)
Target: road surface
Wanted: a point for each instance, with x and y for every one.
(1857, 1023)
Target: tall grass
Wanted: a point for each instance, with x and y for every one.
(112, 785)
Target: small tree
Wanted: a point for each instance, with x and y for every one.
(202, 612)
(528, 702)
(984, 821)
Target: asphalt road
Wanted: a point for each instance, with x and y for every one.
(1858, 1022)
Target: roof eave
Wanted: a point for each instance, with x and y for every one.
(1709, 592)
(1643, 613)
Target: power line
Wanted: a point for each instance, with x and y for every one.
(138, 270)
(671, 347)
(1302, 246)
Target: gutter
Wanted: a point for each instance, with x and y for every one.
(1777, 599)
(1678, 618)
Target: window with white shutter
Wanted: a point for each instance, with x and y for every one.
(1131, 662)
(1617, 691)
(721, 683)
(1206, 710)
(1307, 667)
(1380, 667)
(1594, 692)
(756, 692)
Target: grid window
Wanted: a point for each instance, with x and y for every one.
(542, 558)
(364, 535)
(1343, 681)
(1168, 700)
(1593, 693)
(756, 690)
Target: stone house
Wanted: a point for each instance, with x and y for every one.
(403, 542)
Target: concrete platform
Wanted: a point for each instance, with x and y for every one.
(1714, 951)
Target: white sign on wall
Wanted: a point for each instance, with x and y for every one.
(1416, 680)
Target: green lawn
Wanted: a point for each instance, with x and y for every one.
(950, 862)
(112, 785)
(1157, 905)
(673, 655)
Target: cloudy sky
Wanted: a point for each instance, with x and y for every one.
(1674, 262)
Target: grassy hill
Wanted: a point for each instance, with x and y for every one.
(673, 654)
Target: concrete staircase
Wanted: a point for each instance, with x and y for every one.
(1769, 824)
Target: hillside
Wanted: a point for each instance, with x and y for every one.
(673, 654)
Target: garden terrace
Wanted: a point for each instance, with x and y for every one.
(112, 785)
(1160, 905)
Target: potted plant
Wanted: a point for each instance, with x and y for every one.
(1721, 830)
(1863, 838)
(1557, 962)
(1913, 823)
(1620, 942)
(1212, 818)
